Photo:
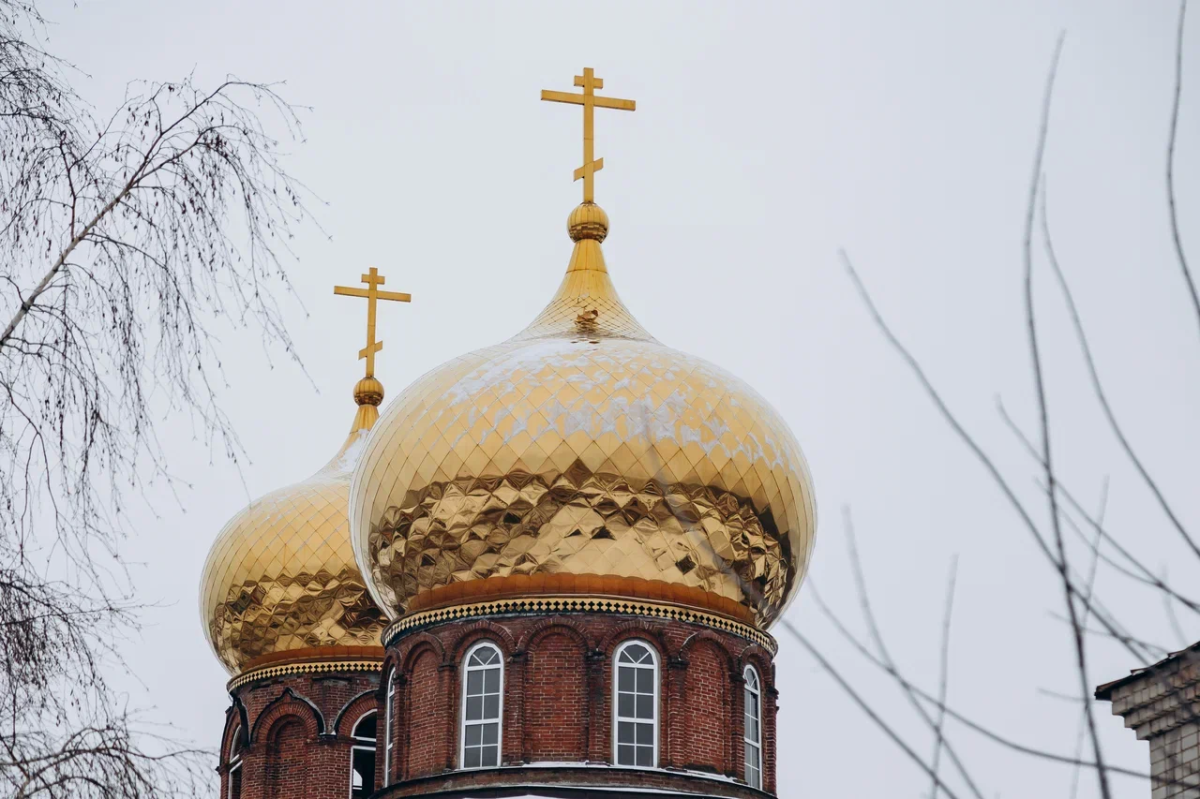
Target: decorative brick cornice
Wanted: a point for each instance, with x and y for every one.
(541, 605)
(1159, 698)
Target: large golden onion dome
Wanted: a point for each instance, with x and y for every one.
(281, 578)
(583, 456)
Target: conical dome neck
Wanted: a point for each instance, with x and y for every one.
(368, 394)
(586, 305)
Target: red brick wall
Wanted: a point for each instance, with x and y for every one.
(707, 688)
(556, 712)
(557, 707)
(558, 693)
(285, 751)
(426, 713)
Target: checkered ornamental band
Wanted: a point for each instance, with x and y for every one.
(574, 604)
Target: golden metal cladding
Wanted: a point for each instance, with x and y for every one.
(281, 575)
(583, 446)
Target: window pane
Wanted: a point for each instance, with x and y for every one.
(625, 705)
(625, 732)
(491, 706)
(625, 755)
(491, 734)
(474, 733)
(645, 734)
(471, 758)
(754, 731)
(366, 727)
(637, 653)
(625, 679)
(491, 682)
(645, 681)
(645, 707)
(474, 708)
(474, 683)
(645, 756)
(363, 761)
(490, 755)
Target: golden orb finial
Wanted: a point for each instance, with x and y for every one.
(368, 391)
(588, 221)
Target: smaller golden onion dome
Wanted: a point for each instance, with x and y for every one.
(281, 575)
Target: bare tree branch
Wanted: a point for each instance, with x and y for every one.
(1176, 236)
(944, 674)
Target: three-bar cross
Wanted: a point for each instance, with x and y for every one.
(373, 280)
(590, 102)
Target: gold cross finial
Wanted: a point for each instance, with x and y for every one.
(373, 280)
(589, 101)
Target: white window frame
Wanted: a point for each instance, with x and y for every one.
(752, 694)
(234, 760)
(358, 747)
(617, 718)
(389, 709)
(462, 716)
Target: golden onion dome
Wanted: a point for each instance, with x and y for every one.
(281, 576)
(582, 456)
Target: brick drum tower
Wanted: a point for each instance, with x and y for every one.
(580, 538)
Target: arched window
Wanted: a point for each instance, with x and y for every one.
(234, 760)
(752, 726)
(389, 710)
(483, 706)
(362, 757)
(635, 705)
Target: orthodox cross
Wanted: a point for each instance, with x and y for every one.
(373, 280)
(589, 101)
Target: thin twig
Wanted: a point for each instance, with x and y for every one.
(1176, 236)
(944, 673)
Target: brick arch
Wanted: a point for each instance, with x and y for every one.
(355, 709)
(390, 661)
(637, 628)
(235, 720)
(754, 655)
(557, 711)
(286, 741)
(413, 647)
(695, 639)
(479, 630)
(564, 624)
(289, 704)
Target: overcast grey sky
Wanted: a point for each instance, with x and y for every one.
(766, 137)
